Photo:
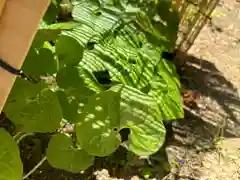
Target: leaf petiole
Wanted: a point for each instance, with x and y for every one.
(19, 136)
(35, 167)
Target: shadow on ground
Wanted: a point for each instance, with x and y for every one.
(219, 98)
(217, 116)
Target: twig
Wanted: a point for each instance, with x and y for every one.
(35, 167)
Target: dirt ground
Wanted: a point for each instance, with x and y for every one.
(206, 143)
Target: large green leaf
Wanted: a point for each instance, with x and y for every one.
(33, 107)
(139, 112)
(147, 71)
(62, 154)
(130, 49)
(165, 89)
(97, 129)
(10, 162)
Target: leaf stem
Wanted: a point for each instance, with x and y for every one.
(16, 135)
(23, 136)
(35, 167)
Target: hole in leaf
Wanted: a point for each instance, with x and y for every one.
(115, 129)
(140, 44)
(168, 55)
(125, 72)
(145, 89)
(98, 13)
(103, 77)
(90, 45)
(52, 43)
(169, 129)
(64, 17)
(124, 134)
(132, 61)
(115, 32)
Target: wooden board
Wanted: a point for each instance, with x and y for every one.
(18, 24)
(2, 3)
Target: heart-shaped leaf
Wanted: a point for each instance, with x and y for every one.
(33, 107)
(97, 129)
(62, 154)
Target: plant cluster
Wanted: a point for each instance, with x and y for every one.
(95, 68)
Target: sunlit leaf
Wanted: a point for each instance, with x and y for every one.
(140, 113)
(97, 129)
(33, 107)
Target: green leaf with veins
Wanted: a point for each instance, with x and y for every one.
(166, 91)
(11, 166)
(33, 107)
(97, 128)
(132, 55)
(62, 154)
(139, 112)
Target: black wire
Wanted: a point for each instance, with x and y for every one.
(14, 71)
(9, 68)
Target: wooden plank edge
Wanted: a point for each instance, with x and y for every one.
(18, 25)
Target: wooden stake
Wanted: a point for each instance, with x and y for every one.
(18, 25)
